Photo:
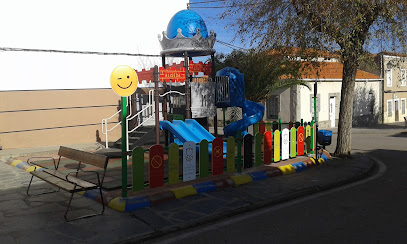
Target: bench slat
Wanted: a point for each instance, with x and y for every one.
(80, 182)
(84, 157)
(61, 183)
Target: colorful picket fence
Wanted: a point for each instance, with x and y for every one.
(263, 148)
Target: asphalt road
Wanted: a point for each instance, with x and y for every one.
(373, 211)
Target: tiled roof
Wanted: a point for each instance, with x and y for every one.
(393, 54)
(333, 71)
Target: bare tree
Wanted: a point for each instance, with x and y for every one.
(345, 25)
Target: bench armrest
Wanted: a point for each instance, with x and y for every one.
(28, 161)
(77, 171)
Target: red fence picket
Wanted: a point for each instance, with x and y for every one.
(262, 127)
(156, 166)
(268, 136)
(300, 141)
(217, 156)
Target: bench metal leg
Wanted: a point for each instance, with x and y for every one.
(84, 216)
(42, 193)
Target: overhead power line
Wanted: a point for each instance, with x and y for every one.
(230, 45)
(213, 1)
(221, 6)
(10, 49)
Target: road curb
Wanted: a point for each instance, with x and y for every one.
(134, 203)
(141, 201)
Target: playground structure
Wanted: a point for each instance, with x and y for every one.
(234, 97)
(203, 153)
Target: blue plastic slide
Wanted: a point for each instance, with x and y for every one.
(189, 131)
(252, 112)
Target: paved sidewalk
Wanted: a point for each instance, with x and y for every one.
(39, 219)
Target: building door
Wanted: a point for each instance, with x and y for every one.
(396, 110)
(332, 111)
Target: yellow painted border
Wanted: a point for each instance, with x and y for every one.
(287, 169)
(15, 162)
(32, 168)
(118, 204)
(241, 179)
(184, 191)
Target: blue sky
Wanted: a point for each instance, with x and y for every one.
(220, 27)
(226, 34)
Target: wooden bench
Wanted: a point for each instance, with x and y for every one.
(71, 182)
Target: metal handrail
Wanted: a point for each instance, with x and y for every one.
(150, 95)
(151, 111)
(104, 123)
(104, 127)
(141, 111)
(169, 92)
(150, 115)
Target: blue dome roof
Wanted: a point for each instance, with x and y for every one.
(188, 21)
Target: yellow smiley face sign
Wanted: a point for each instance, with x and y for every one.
(124, 80)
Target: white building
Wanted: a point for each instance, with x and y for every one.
(296, 103)
(393, 70)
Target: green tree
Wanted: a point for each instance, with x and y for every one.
(263, 71)
(345, 25)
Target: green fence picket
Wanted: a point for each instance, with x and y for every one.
(173, 164)
(293, 142)
(203, 159)
(257, 150)
(239, 152)
(230, 155)
(312, 136)
(256, 128)
(137, 159)
(268, 127)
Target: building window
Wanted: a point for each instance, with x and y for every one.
(403, 77)
(371, 102)
(388, 77)
(389, 108)
(273, 107)
(403, 106)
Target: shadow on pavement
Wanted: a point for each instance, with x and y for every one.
(39, 219)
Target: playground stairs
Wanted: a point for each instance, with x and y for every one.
(144, 135)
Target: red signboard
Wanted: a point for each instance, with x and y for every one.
(300, 141)
(172, 75)
(267, 147)
(206, 69)
(176, 72)
(217, 156)
(156, 166)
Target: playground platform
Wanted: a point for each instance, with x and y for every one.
(29, 220)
